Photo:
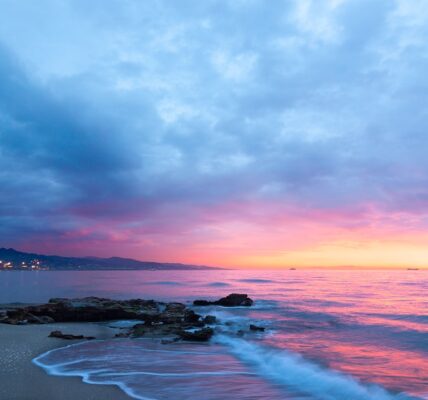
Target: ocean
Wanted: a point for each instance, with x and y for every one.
(330, 334)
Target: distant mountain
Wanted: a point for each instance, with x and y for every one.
(11, 259)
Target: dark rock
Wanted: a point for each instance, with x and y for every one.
(191, 316)
(202, 303)
(176, 308)
(168, 321)
(158, 330)
(121, 335)
(44, 319)
(257, 328)
(235, 300)
(209, 319)
(201, 335)
(232, 300)
(16, 317)
(60, 335)
(88, 309)
(139, 330)
(177, 313)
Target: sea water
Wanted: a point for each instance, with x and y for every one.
(330, 335)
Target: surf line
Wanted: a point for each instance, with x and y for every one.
(292, 371)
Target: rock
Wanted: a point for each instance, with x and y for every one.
(257, 328)
(43, 319)
(232, 300)
(235, 300)
(201, 335)
(190, 316)
(138, 330)
(201, 303)
(177, 313)
(60, 335)
(175, 308)
(16, 317)
(121, 335)
(88, 309)
(209, 320)
(168, 321)
(160, 330)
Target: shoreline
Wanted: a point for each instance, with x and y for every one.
(21, 379)
(30, 330)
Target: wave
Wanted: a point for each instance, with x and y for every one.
(217, 284)
(147, 370)
(293, 371)
(256, 280)
(229, 365)
(123, 323)
(172, 283)
(422, 318)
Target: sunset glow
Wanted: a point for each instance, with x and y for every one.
(261, 235)
(294, 138)
(214, 199)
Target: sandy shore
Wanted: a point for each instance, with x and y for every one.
(20, 379)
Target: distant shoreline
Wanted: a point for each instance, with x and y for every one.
(114, 269)
(14, 260)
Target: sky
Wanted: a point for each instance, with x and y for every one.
(239, 133)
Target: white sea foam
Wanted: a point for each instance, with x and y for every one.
(293, 371)
(159, 372)
(58, 370)
(127, 363)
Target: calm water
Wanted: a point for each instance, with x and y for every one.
(331, 335)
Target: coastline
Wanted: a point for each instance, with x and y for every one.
(21, 379)
(26, 329)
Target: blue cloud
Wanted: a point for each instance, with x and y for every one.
(114, 107)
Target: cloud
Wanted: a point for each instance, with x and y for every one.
(132, 122)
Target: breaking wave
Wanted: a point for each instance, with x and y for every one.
(294, 371)
(146, 370)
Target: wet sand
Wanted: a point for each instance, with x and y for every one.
(20, 379)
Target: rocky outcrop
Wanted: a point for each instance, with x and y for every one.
(209, 320)
(167, 321)
(171, 320)
(175, 322)
(60, 335)
(232, 300)
(257, 328)
(88, 309)
(199, 335)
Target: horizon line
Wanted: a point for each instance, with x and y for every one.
(246, 267)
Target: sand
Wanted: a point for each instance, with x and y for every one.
(20, 379)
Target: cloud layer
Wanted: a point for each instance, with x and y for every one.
(236, 133)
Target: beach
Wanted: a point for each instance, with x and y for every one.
(21, 379)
